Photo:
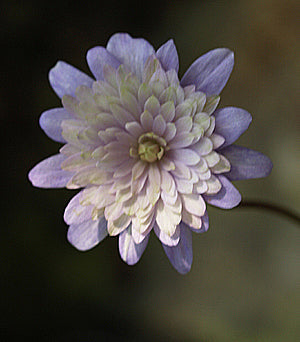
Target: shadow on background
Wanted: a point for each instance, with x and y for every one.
(243, 283)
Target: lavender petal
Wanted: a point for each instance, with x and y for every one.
(132, 52)
(228, 197)
(181, 256)
(210, 72)
(48, 173)
(50, 122)
(167, 55)
(97, 57)
(246, 163)
(87, 234)
(231, 122)
(64, 79)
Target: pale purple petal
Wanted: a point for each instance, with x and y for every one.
(130, 251)
(181, 256)
(167, 55)
(185, 155)
(205, 224)
(48, 173)
(228, 197)
(51, 120)
(165, 238)
(246, 163)
(210, 72)
(64, 79)
(97, 57)
(87, 234)
(231, 122)
(132, 52)
(76, 213)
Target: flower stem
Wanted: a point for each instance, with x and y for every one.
(272, 207)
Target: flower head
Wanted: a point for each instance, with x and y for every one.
(148, 151)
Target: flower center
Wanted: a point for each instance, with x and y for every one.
(151, 147)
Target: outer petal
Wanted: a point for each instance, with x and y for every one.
(64, 79)
(97, 57)
(210, 72)
(76, 213)
(231, 122)
(130, 251)
(228, 197)
(51, 120)
(48, 173)
(167, 55)
(246, 163)
(130, 52)
(181, 256)
(88, 234)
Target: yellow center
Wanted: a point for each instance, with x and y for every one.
(151, 147)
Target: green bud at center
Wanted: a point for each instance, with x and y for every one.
(151, 147)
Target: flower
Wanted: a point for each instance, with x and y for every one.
(147, 150)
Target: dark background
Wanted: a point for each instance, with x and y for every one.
(244, 283)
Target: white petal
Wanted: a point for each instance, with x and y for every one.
(181, 170)
(134, 129)
(184, 186)
(203, 147)
(159, 125)
(185, 155)
(184, 124)
(147, 120)
(170, 131)
(217, 140)
(191, 220)
(181, 140)
(167, 110)
(222, 166)
(214, 185)
(212, 158)
(194, 204)
(200, 187)
(165, 238)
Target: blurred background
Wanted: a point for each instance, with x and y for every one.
(244, 282)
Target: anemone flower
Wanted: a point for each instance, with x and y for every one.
(147, 150)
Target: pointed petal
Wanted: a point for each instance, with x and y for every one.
(50, 122)
(210, 72)
(167, 55)
(130, 52)
(97, 57)
(181, 256)
(231, 122)
(159, 125)
(48, 173)
(147, 120)
(246, 163)
(228, 197)
(130, 251)
(88, 234)
(64, 79)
